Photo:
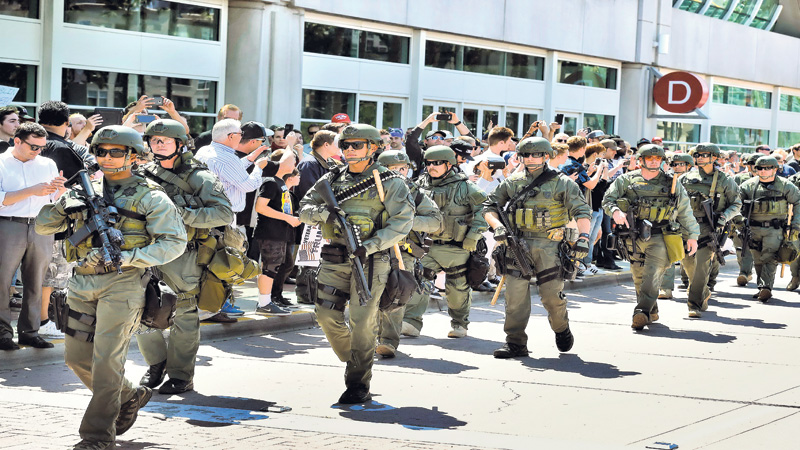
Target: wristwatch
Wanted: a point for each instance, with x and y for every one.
(583, 235)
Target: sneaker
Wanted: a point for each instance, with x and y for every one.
(593, 270)
(695, 313)
(88, 444)
(284, 302)
(271, 309)
(665, 293)
(50, 330)
(231, 310)
(457, 332)
(385, 350)
(509, 350)
(409, 330)
(640, 319)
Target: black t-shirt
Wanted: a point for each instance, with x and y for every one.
(275, 190)
(202, 140)
(4, 145)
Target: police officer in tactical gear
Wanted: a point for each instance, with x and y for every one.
(380, 224)
(427, 219)
(203, 205)
(646, 193)
(460, 201)
(105, 306)
(743, 255)
(680, 164)
(539, 202)
(770, 198)
(707, 183)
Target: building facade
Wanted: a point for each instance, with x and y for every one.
(391, 63)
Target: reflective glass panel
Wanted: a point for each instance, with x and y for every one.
(599, 122)
(787, 139)
(470, 119)
(738, 137)
(330, 40)
(20, 8)
(368, 112)
(384, 47)
(524, 66)
(742, 11)
(392, 115)
(20, 76)
(678, 131)
(427, 110)
(732, 95)
(764, 14)
(324, 104)
(443, 55)
(790, 103)
(527, 120)
(587, 75)
(446, 125)
(691, 5)
(482, 60)
(512, 121)
(717, 8)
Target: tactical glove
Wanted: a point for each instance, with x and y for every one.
(94, 258)
(500, 234)
(68, 205)
(361, 253)
(794, 235)
(469, 244)
(581, 248)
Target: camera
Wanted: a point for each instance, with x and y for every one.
(444, 116)
(495, 163)
(158, 100)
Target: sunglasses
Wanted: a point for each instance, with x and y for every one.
(532, 155)
(764, 168)
(358, 145)
(36, 148)
(564, 141)
(434, 163)
(702, 155)
(677, 164)
(114, 152)
(436, 138)
(160, 141)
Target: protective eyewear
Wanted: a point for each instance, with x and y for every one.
(434, 163)
(114, 152)
(533, 155)
(36, 148)
(702, 155)
(357, 145)
(160, 141)
(764, 167)
(563, 141)
(650, 158)
(677, 164)
(436, 137)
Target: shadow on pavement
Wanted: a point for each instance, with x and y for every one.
(755, 323)
(211, 411)
(60, 379)
(412, 417)
(573, 363)
(442, 366)
(469, 344)
(270, 347)
(779, 302)
(660, 330)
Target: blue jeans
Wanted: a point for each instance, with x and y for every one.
(594, 228)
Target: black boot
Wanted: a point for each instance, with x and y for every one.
(354, 395)
(154, 375)
(510, 350)
(564, 340)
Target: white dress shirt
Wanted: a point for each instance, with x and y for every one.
(231, 171)
(16, 175)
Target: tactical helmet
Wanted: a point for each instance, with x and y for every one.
(119, 135)
(683, 157)
(361, 131)
(751, 158)
(708, 147)
(533, 145)
(167, 128)
(767, 161)
(650, 150)
(441, 153)
(393, 157)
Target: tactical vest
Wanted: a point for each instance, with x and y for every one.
(455, 198)
(133, 230)
(365, 211)
(698, 188)
(176, 184)
(651, 201)
(540, 212)
(768, 204)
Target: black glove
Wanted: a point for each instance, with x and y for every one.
(581, 248)
(361, 253)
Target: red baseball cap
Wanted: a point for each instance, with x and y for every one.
(657, 139)
(340, 118)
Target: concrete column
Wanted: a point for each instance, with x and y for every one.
(416, 57)
(52, 14)
(550, 80)
(635, 103)
(773, 125)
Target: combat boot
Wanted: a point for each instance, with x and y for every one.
(130, 409)
(564, 340)
(704, 307)
(665, 293)
(356, 394)
(640, 319)
(385, 350)
(457, 332)
(764, 294)
(87, 444)
(794, 284)
(409, 330)
(154, 375)
(510, 350)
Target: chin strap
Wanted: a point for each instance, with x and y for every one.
(158, 157)
(128, 165)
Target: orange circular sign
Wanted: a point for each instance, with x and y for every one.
(680, 92)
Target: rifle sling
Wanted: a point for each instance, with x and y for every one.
(363, 186)
(546, 176)
(109, 198)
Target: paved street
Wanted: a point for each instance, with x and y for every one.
(728, 380)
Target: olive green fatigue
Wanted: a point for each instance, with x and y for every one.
(205, 206)
(743, 255)
(794, 267)
(668, 282)
(771, 206)
(427, 219)
(460, 202)
(726, 205)
(650, 259)
(562, 201)
(115, 300)
(382, 225)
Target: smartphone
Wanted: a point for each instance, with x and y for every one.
(158, 100)
(444, 116)
(288, 128)
(144, 118)
(111, 116)
(559, 119)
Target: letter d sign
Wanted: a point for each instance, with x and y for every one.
(680, 92)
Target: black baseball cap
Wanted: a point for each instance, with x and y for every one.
(642, 142)
(255, 130)
(22, 112)
(462, 148)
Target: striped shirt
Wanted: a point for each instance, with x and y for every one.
(231, 171)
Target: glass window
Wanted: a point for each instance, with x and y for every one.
(199, 124)
(678, 131)
(738, 137)
(20, 8)
(384, 47)
(732, 95)
(324, 104)
(524, 66)
(742, 11)
(764, 14)
(787, 139)
(790, 103)
(368, 112)
(490, 118)
(304, 124)
(599, 122)
(446, 125)
(587, 75)
(150, 16)
(570, 125)
(330, 40)
(512, 121)
(691, 5)
(718, 8)
(427, 110)
(444, 55)
(470, 119)
(482, 60)
(527, 120)
(392, 115)
(20, 76)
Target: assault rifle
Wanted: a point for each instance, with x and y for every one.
(716, 239)
(351, 239)
(519, 248)
(102, 218)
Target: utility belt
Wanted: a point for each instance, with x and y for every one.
(25, 220)
(774, 223)
(555, 234)
(337, 254)
(416, 250)
(454, 243)
(100, 270)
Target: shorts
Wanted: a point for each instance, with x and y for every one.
(59, 270)
(273, 255)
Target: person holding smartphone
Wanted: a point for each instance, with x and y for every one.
(139, 107)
